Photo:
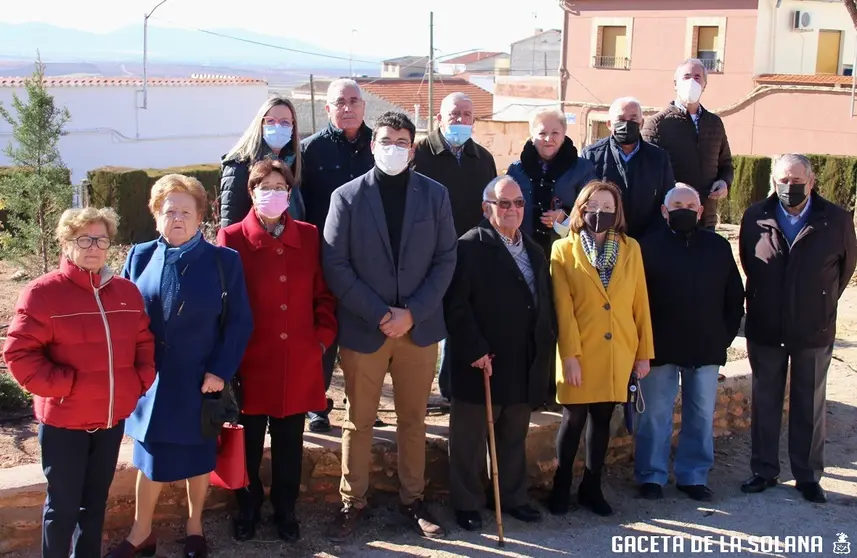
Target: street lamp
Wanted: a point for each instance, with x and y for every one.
(145, 52)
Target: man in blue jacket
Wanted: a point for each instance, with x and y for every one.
(389, 254)
(641, 170)
(331, 157)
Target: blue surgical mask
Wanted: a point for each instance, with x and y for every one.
(458, 134)
(276, 135)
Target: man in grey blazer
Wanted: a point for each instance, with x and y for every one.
(389, 254)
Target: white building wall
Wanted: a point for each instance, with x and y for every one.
(182, 125)
(782, 50)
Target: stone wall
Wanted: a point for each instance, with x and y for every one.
(504, 140)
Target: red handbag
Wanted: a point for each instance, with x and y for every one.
(230, 471)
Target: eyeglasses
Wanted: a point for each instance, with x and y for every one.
(340, 103)
(403, 143)
(507, 204)
(268, 121)
(84, 242)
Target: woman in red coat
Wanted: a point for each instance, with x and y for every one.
(80, 343)
(294, 316)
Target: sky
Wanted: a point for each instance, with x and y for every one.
(381, 28)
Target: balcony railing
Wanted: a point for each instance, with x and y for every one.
(615, 62)
(712, 65)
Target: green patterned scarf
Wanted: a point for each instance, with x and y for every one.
(604, 259)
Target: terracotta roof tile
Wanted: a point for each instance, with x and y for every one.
(101, 81)
(408, 92)
(470, 58)
(802, 79)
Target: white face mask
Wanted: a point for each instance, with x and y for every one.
(689, 91)
(391, 159)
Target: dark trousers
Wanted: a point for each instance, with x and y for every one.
(468, 444)
(709, 214)
(574, 419)
(79, 468)
(807, 398)
(328, 363)
(286, 457)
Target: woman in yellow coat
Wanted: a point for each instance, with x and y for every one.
(605, 332)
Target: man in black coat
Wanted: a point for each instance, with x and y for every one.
(641, 170)
(799, 252)
(500, 319)
(331, 157)
(690, 272)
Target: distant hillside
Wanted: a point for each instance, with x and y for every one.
(170, 45)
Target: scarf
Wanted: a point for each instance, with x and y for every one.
(604, 259)
(170, 276)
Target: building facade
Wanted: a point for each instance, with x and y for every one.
(405, 67)
(537, 55)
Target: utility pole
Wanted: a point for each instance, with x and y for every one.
(145, 53)
(351, 55)
(312, 101)
(430, 112)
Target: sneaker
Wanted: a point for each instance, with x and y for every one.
(344, 523)
(421, 520)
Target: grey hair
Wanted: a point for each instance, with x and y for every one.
(490, 191)
(789, 159)
(681, 187)
(249, 146)
(339, 84)
(543, 114)
(617, 104)
(694, 62)
(450, 100)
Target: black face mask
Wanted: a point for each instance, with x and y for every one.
(791, 195)
(598, 221)
(682, 220)
(626, 132)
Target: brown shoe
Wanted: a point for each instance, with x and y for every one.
(344, 523)
(422, 521)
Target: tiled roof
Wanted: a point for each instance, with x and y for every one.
(802, 79)
(101, 81)
(470, 58)
(408, 61)
(408, 92)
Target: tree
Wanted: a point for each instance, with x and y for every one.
(851, 8)
(38, 190)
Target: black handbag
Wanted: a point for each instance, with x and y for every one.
(225, 405)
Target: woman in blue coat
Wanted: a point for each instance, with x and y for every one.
(180, 281)
(551, 174)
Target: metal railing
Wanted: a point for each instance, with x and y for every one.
(712, 65)
(615, 62)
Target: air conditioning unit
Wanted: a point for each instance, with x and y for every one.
(802, 21)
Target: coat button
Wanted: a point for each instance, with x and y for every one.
(283, 307)
(284, 336)
(607, 306)
(282, 278)
(279, 251)
(608, 336)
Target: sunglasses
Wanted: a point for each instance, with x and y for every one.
(507, 204)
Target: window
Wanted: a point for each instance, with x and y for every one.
(611, 49)
(597, 130)
(707, 47)
(827, 59)
(706, 40)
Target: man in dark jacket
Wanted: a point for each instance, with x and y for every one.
(689, 272)
(332, 157)
(799, 252)
(501, 322)
(641, 170)
(695, 140)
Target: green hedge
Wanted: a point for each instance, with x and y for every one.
(127, 191)
(835, 179)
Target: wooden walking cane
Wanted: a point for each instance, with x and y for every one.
(489, 412)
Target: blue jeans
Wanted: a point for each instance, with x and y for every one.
(695, 452)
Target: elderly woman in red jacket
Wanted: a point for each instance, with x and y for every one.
(281, 373)
(80, 343)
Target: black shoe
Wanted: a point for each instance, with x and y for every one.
(421, 520)
(812, 492)
(379, 423)
(525, 513)
(589, 494)
(319, 424)
(651, 491)
(469, 520)
(244, 525)
(288, 528)
(756, 484)
(698, 492)
(559, 501)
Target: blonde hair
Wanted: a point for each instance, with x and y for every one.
(539, 117)
(170, 183)
(249, 146)
(73, 220)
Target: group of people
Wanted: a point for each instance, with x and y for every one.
(573, 277)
